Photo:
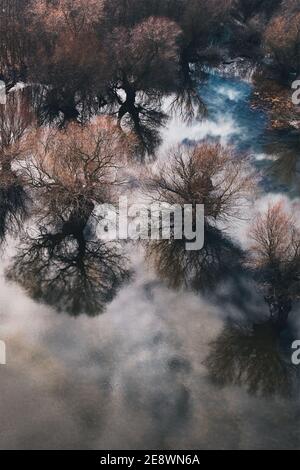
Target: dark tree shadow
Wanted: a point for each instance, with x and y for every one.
(200, 270)
(143, 115)
(14, 202)
(285, 147)
(252, 357)
(62, 105)
(187, 102)
(69, 270)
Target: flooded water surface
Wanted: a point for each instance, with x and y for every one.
(103, 353)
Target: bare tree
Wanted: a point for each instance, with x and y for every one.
(67, 59)
(13, 41)
(282, 39)
(131, 12)
(76, 166)
(208, 174)
(16, 121)
(275, 260)
(68, 173)
(211, 175)
(145, 62)
(74, 16)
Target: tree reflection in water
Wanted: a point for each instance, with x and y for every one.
(285, 146)
(16, 121)
(68, 175)
(69, 270)
(219, 260)
(214, 176)
(13, 204)
(252, 357)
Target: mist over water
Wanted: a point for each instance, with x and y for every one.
(135, 377)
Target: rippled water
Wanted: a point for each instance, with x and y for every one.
(136, 376)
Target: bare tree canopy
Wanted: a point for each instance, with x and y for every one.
(275, 258)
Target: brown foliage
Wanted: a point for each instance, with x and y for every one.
(59, 16)
(208, 174)
(275, 259)
(13, 40)
(282, 39)
(211, 175)
(76, 166)
(276, 240)
(148, 53)
(16, 120)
